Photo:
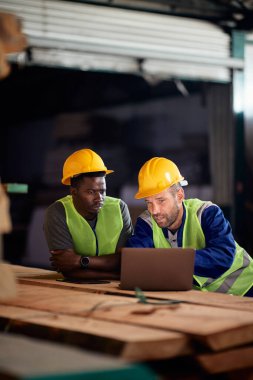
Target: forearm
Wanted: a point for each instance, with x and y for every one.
(105, 263)
(67, 261)
(86, 274)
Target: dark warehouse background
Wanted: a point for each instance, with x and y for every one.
(49, 112)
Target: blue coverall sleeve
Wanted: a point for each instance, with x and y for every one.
(219, 252)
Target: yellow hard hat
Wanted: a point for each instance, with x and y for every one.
(82, 161)
(156, 175)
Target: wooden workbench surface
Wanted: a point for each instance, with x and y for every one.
(214, 330)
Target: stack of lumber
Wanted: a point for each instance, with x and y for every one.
(204, 336)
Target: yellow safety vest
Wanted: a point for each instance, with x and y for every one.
(103, 240)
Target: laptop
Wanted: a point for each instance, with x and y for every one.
(157, 268)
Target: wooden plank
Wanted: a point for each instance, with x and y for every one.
(221, 300)
(192, 296)
(44, 278)
(22, 271)
(126, 341)
(227, 361)
(217, 328)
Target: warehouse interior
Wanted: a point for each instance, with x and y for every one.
(87, 79)
(60, 107)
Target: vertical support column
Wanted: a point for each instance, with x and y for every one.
(248, 133)
(221, 145)
(238, 43)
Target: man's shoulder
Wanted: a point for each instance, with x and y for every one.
(115, 201)
(112, 199)
(112, 202)
(198, 204)
(55, 208)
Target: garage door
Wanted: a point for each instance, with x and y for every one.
(93, 37)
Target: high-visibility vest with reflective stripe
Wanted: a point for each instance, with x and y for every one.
(238, 279)
(103, 240)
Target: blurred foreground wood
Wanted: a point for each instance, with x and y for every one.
(12, 40)
(8, 287)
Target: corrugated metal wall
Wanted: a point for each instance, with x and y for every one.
(85, 36)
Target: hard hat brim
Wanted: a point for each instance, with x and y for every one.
(66, 180)
(140, 195)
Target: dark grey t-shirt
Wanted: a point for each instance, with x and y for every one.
(57, 232)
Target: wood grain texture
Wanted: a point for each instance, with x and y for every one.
(216, 328)
(48, 278)
(123, 340)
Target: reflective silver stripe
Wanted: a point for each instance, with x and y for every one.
(209, 281)
(199, 216)
(203, 208)
(146, 217)
(229, 281)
